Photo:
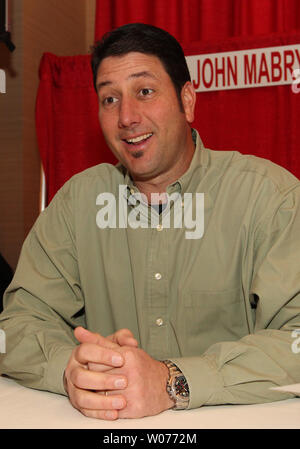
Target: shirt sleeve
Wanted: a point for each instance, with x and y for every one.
(243, 372)
(44, 303)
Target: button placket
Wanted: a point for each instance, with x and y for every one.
(158, 290)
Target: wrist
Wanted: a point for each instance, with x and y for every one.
(170, 403)
(177, 386)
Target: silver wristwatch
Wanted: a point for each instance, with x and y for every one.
(177, 386)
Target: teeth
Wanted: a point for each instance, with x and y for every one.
(139, 139)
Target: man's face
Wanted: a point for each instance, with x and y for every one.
(141, 118)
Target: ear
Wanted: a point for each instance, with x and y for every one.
(188, 98)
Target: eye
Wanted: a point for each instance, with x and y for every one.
(146, 91)
(109, 100)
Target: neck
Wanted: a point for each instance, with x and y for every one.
(160, 183)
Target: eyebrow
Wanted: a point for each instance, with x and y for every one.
(143, 74)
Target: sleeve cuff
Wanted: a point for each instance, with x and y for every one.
(202, 377)
(55, 370)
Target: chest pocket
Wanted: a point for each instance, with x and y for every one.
(211, 317)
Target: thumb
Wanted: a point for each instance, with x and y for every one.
(85, 336)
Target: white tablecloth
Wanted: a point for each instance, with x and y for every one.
(24, 408)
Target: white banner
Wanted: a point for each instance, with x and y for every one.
(242, 69)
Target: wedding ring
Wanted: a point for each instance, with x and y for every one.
(104, 392)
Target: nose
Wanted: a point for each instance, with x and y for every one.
(129, 113)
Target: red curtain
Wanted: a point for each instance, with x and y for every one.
(261, 121)
(201, 20)
(68, 131)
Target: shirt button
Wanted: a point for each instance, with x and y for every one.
(158, 276)
(159, 321)
(159, 227)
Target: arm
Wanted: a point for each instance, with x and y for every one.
(43, 303)
(242, 372)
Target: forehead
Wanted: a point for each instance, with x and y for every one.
(116, 68)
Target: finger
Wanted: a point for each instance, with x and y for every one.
(123, 337)
(90, 380)
(85, 336)
(98, 367)
(90, 352)
(109, 415)
(88, 400)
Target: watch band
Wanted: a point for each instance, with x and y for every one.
(177, 386)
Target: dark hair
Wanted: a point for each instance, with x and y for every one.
(148, 39)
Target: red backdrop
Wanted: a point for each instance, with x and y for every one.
(260, 121)
(201, 20)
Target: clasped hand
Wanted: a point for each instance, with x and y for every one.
(110, 377)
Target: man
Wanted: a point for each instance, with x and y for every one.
(171, 321)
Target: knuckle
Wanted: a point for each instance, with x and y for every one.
(98, 414)
(78, 399)
(77, 377)
(103, 354)
(127, 351)
(77, 353)
(80, 351)
(124, 331)
(108, 382)
(130, 355)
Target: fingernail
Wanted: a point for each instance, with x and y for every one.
(117, 360)
(132, 342)
(117, 403)
(111, 414)
(120, 383)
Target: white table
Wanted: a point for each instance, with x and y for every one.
(24, 408)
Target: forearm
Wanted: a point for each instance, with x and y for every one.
(242, 372)
(38, 344)
(43, 305)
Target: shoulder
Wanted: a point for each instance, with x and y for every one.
(78, 195)
(253, 170)
(92, 181)
(105, 175)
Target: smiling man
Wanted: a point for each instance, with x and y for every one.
(142, 121)
(131, 321)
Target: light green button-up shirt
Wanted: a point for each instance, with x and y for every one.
(223, 307)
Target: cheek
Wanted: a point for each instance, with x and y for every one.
(109, 133)
(107, 126)
(168, 112)
(103, 120)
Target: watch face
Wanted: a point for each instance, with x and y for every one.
(181, 386)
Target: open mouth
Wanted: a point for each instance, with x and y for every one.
(139, 139)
